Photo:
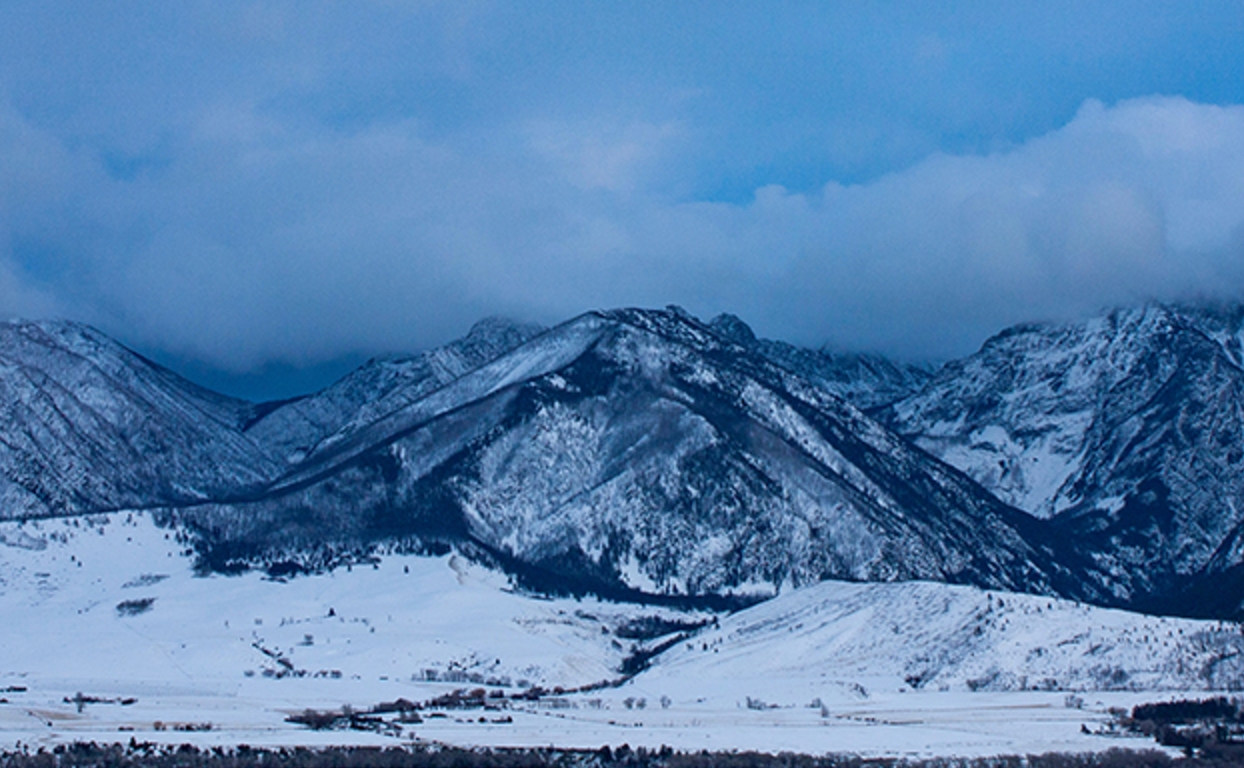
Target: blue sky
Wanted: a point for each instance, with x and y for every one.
(265, 193)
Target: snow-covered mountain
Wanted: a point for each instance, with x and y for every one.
(638, 453)
(1126, 430)
(644, 453)
(89, 426)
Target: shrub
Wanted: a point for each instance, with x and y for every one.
(135, 607)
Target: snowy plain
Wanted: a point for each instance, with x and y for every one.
(111, 609)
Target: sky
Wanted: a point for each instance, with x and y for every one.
(263, 194)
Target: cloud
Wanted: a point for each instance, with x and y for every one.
(252, 237)
(19, 299)
(606, 156)
(1140, 200)
(34, 184)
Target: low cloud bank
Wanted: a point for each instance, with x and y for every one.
(246, 239)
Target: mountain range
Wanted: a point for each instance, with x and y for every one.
(649, 456)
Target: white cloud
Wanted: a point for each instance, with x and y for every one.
(1141, 200)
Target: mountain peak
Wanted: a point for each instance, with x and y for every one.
(496, 327)
(733, 328)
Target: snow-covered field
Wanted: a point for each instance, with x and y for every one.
(111, 610)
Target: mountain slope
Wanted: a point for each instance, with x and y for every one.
(91, 426)
(385, 384)
(1127, 430)
(640, 453)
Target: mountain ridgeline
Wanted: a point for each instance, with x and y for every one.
(646, 455)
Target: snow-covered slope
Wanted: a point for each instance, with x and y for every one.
(125, 583)
(113, 599)
(382, 385)
(90, 426)
(1127, 429)
(639, 452)
(923, 636)
(108, 634)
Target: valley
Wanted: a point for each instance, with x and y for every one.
(111, 635)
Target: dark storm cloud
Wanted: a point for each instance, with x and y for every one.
(258, 183)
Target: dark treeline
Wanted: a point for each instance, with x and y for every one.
(1221, 709)
(136, 755)
(1210, 726)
